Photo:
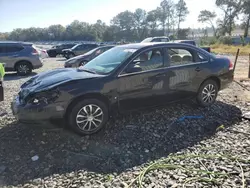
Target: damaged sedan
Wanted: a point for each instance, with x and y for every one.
(124, 78)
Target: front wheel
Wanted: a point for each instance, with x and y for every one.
(69, 55)
(88, 116)
(207, 93)
(23, 68)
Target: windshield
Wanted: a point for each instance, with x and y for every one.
(109, 60)
(146, 40)
(91, 51)
(74, 47)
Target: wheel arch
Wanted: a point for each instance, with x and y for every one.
(214, 78)
(20, 61)
(96, 96)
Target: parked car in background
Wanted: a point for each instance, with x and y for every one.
(78, 50)
(124, 78)
(20, 57)
(156, 39)
(57, 50)
(83, 59)
(43, 53)
(192, 42)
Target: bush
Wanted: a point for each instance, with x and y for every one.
(226, 40)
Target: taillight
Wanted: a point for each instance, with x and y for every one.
(231, 66)
(34, 51)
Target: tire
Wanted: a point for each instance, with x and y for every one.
(70, 55)
(23, 68)
(207, 93)
(52, 54)
(79, 112)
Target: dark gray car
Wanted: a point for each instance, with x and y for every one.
(20, 57)
(78, 50)
(83, 59)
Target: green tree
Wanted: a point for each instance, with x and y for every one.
(140, 18)
(181, 13)
(208, 17)
(56, 32)
(183, 33)
(231, 10)
(152, 21)
(165, 14)
(124, 20)
(246, 12)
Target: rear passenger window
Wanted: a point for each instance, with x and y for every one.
(11, 49)
(201, 57)
(179, 56)
(164, 40)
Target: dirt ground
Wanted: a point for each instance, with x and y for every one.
(116, 156)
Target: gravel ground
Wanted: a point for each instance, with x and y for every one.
(129, 144)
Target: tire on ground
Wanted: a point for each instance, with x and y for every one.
(200, 95)
(74, 110)
(22, 64)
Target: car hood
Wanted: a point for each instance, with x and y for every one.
(50, 79)
(79, 57)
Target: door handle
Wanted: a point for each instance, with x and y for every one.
(197, 69)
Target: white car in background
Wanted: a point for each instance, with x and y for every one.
(43, 53)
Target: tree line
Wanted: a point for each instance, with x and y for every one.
(165, 20)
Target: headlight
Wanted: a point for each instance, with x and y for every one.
(44, 97)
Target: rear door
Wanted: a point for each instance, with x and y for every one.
(186, 71)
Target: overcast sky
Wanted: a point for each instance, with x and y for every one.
(42, 13)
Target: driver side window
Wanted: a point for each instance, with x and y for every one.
(146, 61)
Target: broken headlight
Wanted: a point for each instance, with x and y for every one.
(44, 97)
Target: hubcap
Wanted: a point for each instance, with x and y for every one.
(208, 93)
(89, 118)
(23, 68)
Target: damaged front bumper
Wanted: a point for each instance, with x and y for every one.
(39, 112)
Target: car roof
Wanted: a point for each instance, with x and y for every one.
(105, 46)
(154, 44)
(15, 42)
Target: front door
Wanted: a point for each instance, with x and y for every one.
(142, 82)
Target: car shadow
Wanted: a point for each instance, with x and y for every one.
(63, 59)
(15, 76)
(127, 141)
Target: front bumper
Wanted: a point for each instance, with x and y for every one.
(35, 113)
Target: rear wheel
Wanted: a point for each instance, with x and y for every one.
(23, 68)
(88, 116)
(207, 93)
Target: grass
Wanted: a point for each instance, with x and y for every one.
(165, 164)
(230, 49)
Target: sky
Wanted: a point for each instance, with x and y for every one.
(43, 13)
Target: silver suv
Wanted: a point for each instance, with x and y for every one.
(20, 57)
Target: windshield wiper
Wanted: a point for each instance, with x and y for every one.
(87, 70)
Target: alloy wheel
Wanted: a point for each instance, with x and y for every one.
(23, 68)
(209, 93)
(89, 118)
